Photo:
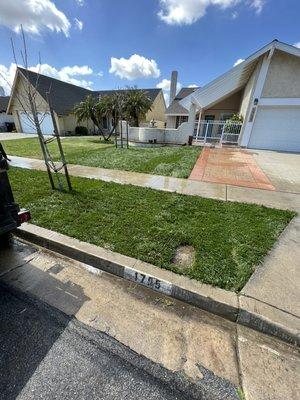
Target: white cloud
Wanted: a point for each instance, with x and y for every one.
(297, 45)
(234, 15)
(165, 85)
(239, 61)
(193, 86)
(257, 5)
(78, 24)
(34, 15)
(7, 76)
(186, 12)
(80, 2)
(71, 74)
(134, 67)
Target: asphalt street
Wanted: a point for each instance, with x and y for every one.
(44, 355)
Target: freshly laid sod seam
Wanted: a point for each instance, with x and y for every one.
(168, 161)
(230, 239)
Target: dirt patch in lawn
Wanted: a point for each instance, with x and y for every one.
(185, 257)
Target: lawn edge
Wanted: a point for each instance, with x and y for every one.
(214, 300)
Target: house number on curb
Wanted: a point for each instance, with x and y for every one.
(147, 280)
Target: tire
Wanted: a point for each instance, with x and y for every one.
(5, 240)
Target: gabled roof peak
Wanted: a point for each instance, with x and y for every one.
(235, 78)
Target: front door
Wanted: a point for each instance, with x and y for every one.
(209, 125)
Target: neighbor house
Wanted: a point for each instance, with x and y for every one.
(6, 120)
(264, 90)
(63, 96)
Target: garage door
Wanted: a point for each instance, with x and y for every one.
(276, 128)
(28, 127)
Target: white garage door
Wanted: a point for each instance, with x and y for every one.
(276, 128)
(28, 127)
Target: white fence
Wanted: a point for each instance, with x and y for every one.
(217, 132)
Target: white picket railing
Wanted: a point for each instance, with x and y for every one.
(217, 132)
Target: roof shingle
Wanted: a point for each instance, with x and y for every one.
(4, 103)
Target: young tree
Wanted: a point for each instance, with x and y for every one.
(30, 101)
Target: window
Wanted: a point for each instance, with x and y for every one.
(180, 119)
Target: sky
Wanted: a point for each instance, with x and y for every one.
(108, 44)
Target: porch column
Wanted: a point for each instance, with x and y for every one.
(256, 94)
(192, 114)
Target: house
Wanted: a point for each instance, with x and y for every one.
(176, 114)
(264, 90)
(6, 120)
(63, 96)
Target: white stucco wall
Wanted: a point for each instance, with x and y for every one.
(168, 136)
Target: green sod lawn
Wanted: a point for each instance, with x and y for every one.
(167, 161)
(230, 239)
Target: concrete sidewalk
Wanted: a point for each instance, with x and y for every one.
(214, 353)
(275, 199)
(16, 135)
(271, 296)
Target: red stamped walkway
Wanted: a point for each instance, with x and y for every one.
(230, 166)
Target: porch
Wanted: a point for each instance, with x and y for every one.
(208, 131)
(214, 124)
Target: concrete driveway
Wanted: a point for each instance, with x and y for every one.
(257, 169)
(283, 169)
(230, 166)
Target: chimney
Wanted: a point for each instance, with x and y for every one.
(173, 86)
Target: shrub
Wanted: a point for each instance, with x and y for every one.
(81, 131)
(236, 118)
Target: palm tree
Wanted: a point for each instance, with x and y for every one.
(131, 103)
(85, 110)
(92, 108)
(136, 105)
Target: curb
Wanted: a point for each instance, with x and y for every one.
(270, 320)
(214, 300)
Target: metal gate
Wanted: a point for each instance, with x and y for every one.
(217, 132)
